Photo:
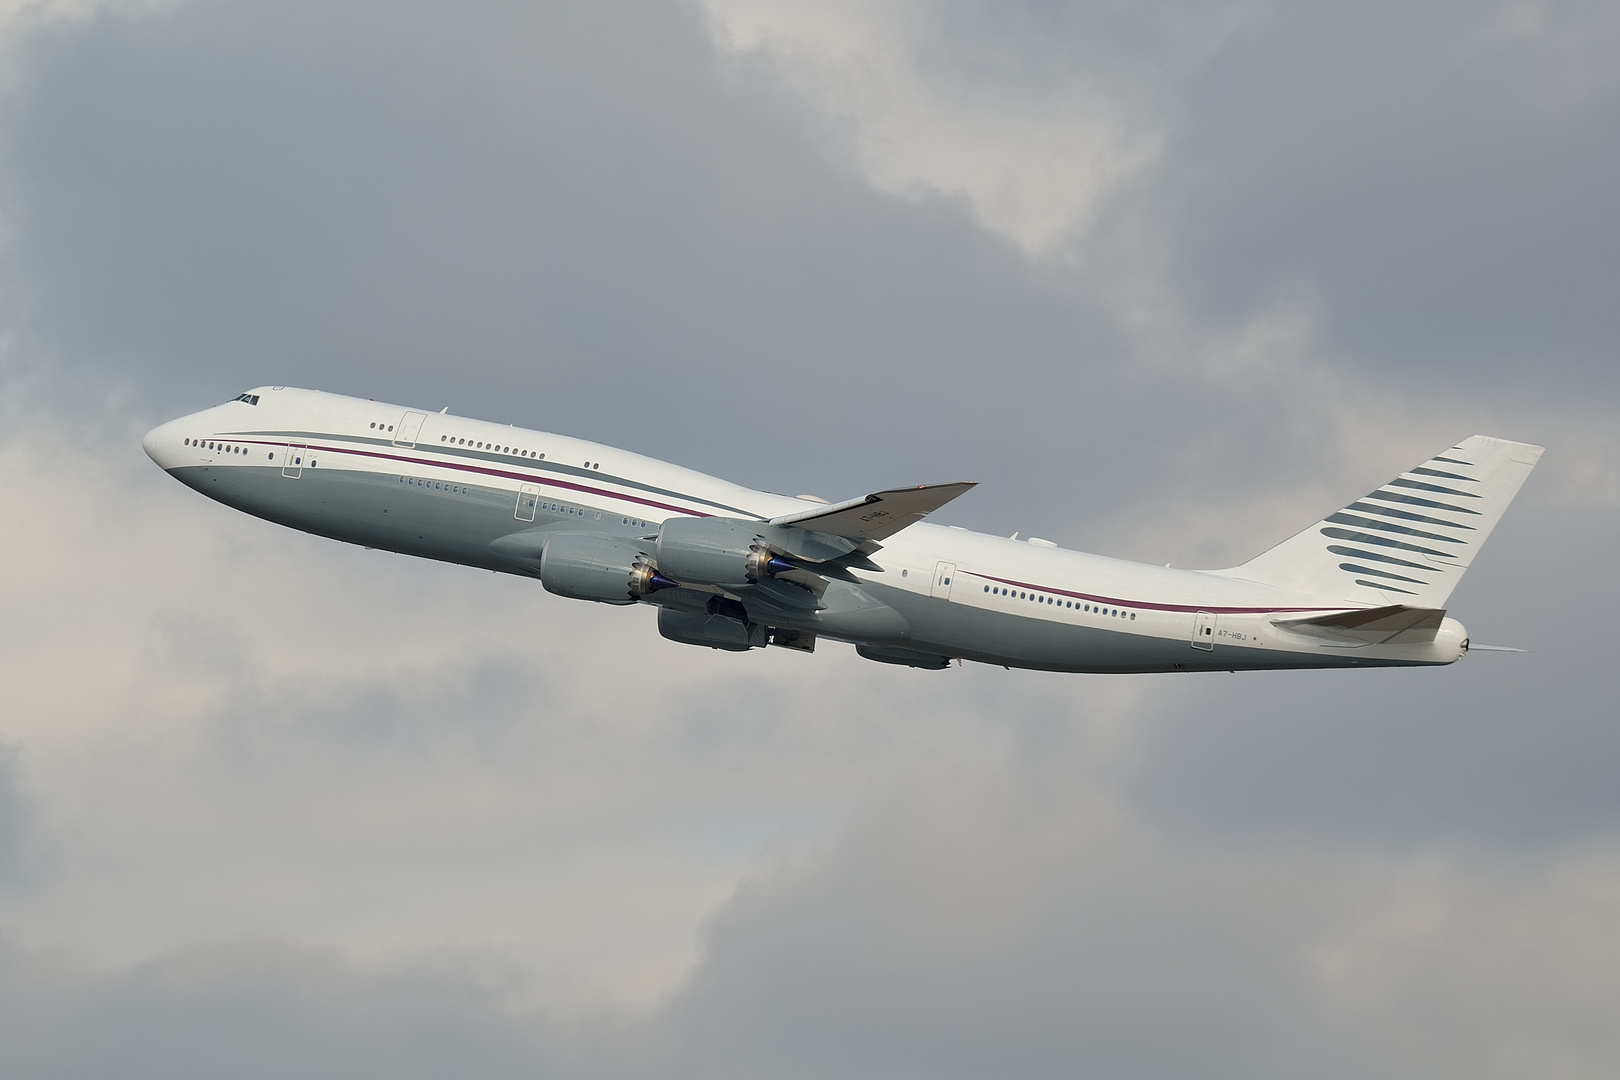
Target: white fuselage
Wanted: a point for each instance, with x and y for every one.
(447, 487)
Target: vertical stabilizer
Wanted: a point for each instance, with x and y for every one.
(1410, 541)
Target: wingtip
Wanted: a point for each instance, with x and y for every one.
(1528, 453)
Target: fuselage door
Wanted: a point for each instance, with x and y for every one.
(943, 573)
(528, 499)
(410, 426)
(1204, 630)
(292, 459)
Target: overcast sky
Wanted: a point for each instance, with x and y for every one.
(1170, 280)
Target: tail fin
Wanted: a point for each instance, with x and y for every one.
(1408, 542)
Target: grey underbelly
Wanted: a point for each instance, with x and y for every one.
(995, 637)
(431, 519)
(457, 522)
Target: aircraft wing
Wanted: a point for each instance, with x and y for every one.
(881, 514)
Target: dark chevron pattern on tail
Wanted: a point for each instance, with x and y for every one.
(1412, 537)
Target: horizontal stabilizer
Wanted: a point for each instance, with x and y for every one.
(878, 515)
(1394, 624)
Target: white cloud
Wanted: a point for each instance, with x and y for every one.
(1484, 970)
(1034, 163)
(20, 14)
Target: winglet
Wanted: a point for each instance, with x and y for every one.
(881, 514)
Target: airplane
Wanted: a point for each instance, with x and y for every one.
(736, 569)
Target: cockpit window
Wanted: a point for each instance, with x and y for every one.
(251, 399)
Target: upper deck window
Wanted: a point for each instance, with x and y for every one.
(251, 399)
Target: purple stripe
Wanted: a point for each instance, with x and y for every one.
(524, 477)
(1147, 606)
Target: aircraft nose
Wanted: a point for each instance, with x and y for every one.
(159, 444)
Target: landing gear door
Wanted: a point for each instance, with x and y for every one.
(943, 573)
(292, 460)
(1204, 631)
(410, 426)
(528, 499)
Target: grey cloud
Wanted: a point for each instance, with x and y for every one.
(569, 203)
(962, 929)
(1432, 181)
(582, 217)
(1437, 177)
(969, 930)
(260, 1008)
(951, 938)
(523, 208)
(1500, 749)
(953, 930)
(14, 819)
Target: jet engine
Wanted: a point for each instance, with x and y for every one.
(716, 551)
(715, 631)
(582, 566)
(884, 654)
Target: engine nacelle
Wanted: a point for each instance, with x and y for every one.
(582, 566)
(715, 551)
(883, 654)
(715, 631)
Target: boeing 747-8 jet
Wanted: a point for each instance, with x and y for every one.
(732, 568)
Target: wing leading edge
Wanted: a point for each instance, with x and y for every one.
(878, 515)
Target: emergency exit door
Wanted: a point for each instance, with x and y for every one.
(410, 426)
(1204, 630)
(943, 573)
(528, 498)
